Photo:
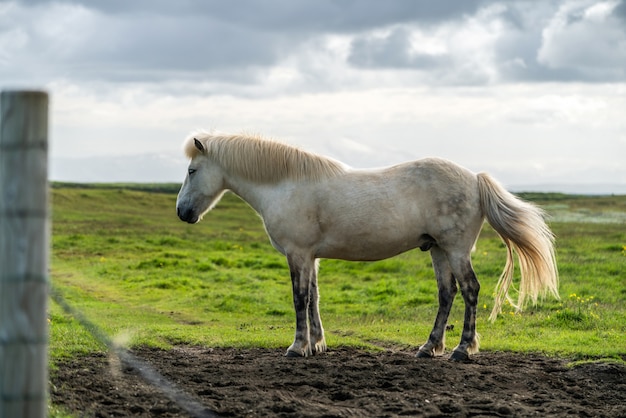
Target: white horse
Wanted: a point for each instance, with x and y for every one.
(315, 207)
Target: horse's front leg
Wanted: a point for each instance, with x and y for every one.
(446, 285)
(469, 289)
(316, 331)
(301, 276)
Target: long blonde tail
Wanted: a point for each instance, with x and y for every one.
(522, 227)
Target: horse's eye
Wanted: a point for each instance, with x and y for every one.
(191, 171)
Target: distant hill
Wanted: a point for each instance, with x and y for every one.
(576, 189)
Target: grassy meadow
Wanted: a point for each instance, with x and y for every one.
(122, 258)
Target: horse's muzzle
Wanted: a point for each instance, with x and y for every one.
(187, 215)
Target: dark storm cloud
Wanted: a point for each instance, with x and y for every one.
(162, 47)
(138, 45)
(390, 51)
(294, 15)
(241, 41)
(620, 10)
(230, 41)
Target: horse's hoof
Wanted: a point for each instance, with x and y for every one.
(459, 356)
(423, 354)
(293, 354)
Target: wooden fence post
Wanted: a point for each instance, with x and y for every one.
(24, 251)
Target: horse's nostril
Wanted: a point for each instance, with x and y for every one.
(182, 214)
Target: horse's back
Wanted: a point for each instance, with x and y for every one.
(429, 187)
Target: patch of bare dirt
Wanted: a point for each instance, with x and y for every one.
(343, 382)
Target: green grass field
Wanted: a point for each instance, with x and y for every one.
(122, 258)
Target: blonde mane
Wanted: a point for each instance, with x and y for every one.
(263, 160)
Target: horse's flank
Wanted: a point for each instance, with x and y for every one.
(261, 160)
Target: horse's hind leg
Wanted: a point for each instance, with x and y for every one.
(463, 271)
(447, 290)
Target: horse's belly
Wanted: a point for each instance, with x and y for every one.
(372, 229)
(366, 247)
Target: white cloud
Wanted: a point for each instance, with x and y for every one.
(586, 37)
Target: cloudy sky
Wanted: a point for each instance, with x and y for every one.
(532, 91)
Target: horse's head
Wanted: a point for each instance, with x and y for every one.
(203, 185)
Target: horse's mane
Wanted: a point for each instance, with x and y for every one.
(263, 160)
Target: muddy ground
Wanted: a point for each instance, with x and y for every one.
(342, 382)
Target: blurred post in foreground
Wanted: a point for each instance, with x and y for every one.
(24, 252)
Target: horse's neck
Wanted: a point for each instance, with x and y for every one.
(258, 196)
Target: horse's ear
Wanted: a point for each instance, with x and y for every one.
(198, 145)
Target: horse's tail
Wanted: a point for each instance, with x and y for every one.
(522, 227)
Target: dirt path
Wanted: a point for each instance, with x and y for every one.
(344, 382)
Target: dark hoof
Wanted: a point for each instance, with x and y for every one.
(423, 354)
(292, 354)
(459, 356)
